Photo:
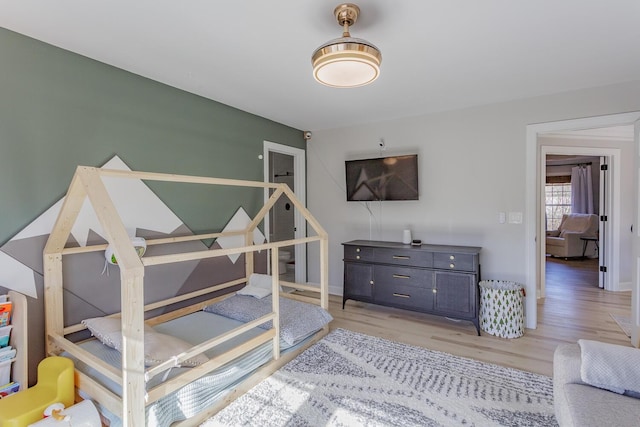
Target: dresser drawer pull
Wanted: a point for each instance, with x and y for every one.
(402, 295)
(401, 276)
(357, 256)
(452, 257)
(357, 249)
(401, 257)
(371, 282)
(434, 290)
(452, 265)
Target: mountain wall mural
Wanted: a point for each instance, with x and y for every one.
(91, 289)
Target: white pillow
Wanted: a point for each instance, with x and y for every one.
(610, 366)
(157, 347)
(259, 286)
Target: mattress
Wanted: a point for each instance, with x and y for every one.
(202, 393)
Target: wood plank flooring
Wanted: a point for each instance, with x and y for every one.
(574, 308)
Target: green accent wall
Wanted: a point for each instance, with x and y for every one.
(59, 110)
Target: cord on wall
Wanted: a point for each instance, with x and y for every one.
(371, 216)
(373, 220)
(370, 223)
(380, 206)
(343, 190)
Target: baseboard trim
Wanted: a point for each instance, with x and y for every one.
(335, 290)
(622, 286)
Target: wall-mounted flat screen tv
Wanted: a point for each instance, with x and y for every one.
(385, 178)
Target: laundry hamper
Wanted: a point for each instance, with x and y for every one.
(502, 308)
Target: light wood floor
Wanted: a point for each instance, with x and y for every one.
(574, 308)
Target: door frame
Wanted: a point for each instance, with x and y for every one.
(612, 233)
(300, 190)
(532, 200)
(635, 246)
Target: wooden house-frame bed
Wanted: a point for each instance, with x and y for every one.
(87, 183)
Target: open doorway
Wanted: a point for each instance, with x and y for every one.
(285, 164)
(614, 246)
(621, 218)
(575, 198)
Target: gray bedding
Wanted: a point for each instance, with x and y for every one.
(297, 319)
(196, 396)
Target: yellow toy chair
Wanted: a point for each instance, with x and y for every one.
(55, 384)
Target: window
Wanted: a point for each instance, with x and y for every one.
(557, 200)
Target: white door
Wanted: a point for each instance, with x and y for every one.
(299, 189)
(635, 290)
(602, 229)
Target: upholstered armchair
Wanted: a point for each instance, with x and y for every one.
(589, 378)
(566, 242)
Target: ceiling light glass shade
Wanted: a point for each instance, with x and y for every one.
(346, 62)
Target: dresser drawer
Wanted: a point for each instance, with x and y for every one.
(454, 261)
(390, 276)
(358, 253)
(412, 297)
(403, 257)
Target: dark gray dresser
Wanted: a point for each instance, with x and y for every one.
(434, 279)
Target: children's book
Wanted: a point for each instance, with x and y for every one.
(8, 389)
(5, 311)
(5, 372)
(7, 353)
(5, 333)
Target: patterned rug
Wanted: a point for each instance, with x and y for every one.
(624, 323)
(351, 379)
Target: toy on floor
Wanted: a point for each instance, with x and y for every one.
(83, 414)
(55, 384)
(54, 410)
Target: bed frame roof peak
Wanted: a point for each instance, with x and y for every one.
(87, 182)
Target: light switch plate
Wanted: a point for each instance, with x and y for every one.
(515, 217)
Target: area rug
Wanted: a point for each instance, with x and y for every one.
(624, 322)
(351, 379)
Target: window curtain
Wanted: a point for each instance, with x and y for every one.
(581, 190)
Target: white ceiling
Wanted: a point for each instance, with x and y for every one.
(437, 55)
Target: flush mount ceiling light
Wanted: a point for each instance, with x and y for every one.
(346, 61)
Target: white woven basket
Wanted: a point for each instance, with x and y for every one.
(502, 308)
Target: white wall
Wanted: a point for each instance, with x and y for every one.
(472, 165)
